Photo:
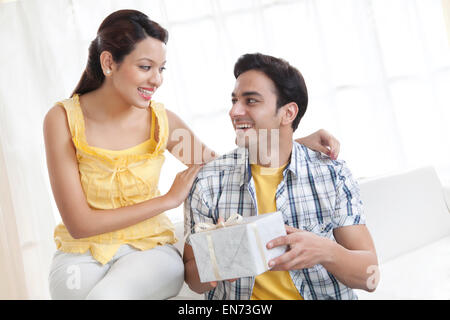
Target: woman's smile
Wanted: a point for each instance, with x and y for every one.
(146, 93)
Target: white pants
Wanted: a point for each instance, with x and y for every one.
(157, 273)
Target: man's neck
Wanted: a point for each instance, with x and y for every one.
(274, 156)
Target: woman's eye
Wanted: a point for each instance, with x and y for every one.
(146, 68)
(162, 69)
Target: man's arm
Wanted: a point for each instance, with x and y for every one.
(196, 210)
(353, 259)
(191, 273)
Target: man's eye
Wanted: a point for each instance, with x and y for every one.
(146, 68)
(250, 101)
(233, 101)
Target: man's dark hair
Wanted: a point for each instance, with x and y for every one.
(288, 80)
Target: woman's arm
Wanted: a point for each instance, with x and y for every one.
(322, 141)
(184, 144)
(181, 138)
(80, 220)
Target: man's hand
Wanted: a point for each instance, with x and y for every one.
(305, 250)
(213, 284)
(351, 259)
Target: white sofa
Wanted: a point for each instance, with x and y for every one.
(408, 217)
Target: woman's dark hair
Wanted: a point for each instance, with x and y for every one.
(288, 80)
(119, 33)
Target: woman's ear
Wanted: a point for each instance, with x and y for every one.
(107, 63)
(290, 113)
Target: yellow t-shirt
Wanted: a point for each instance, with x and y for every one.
(112, 179)
(271, 285)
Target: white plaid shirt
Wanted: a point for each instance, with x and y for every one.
(317, 194)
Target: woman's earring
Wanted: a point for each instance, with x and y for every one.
(108, 71)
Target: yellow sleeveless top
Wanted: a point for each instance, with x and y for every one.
(113, 179)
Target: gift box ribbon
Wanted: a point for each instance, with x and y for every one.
(231, 221)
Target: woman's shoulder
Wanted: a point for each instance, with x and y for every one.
(55, 121)
(55, 114)
(171, 116)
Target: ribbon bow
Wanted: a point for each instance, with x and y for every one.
(206, 226)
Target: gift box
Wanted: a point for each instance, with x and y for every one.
(238, 247)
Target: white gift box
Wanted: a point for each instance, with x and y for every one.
(238, 250)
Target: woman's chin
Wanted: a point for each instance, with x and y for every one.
(141, 104)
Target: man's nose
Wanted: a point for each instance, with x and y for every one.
(237, 110)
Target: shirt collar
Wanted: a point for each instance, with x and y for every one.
(244, 164)
(293, 166)
(296, 156)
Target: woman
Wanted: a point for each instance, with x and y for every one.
(104, 150)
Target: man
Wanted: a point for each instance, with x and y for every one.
(330, 251)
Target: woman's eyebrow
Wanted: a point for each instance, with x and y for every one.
(149, 60)
(145, 59)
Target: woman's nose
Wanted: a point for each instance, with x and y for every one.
(155, 78)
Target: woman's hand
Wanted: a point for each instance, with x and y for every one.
(322, 141)
(182, 185)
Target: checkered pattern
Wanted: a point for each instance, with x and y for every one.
(317, 194)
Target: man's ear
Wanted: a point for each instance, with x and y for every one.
(107, 62)
(289, 113)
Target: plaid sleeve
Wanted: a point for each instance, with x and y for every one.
(196, 209)
(348, 208)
